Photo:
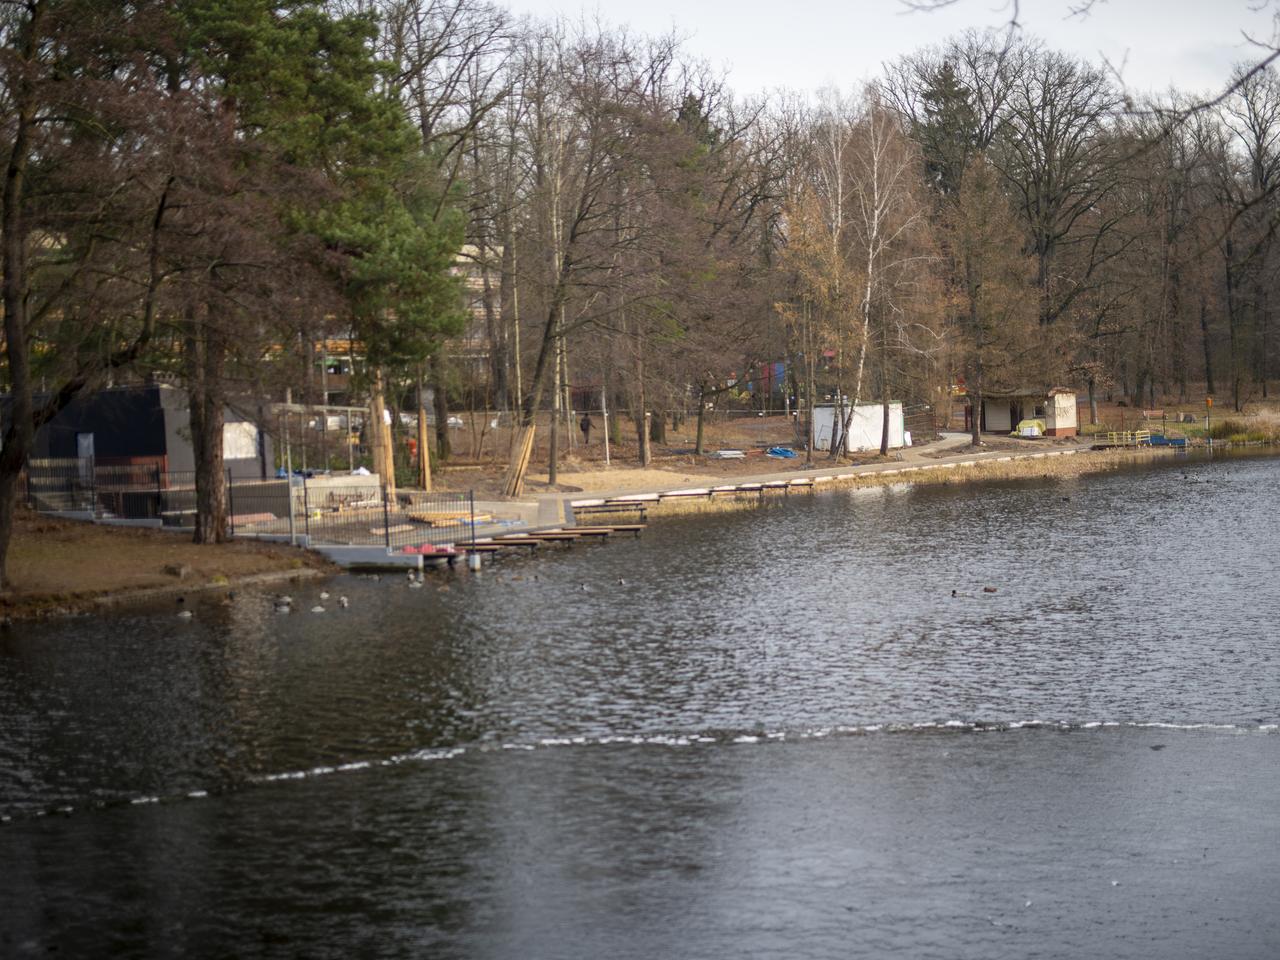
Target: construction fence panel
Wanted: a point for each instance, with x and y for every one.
(325, 509)
(369, 515)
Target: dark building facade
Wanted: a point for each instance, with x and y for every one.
(148, 424)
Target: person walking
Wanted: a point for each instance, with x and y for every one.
(585, 426)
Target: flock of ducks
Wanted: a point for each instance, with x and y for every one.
(283, 603)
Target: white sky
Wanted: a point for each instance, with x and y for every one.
(807, 44)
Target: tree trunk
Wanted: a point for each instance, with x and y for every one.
(211, 478)
(976, 400)
(658, 427)
(641, 419)
(553, 456)
(1263, 321)
(443, 448)
(838, 422)
(513, 482)
(1234, 360)
(884, 391)
(494, 329)
(20, 433)
(1207, 346)
(1140, 386)
(206, 365)
(10, 483)
(509, 294)
(811, 390)
(699, 448)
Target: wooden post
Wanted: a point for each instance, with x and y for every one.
(386, 518)
(380, 434)
(513, 485)
(553, 465)
(231, 506)
(646, 452)
(424, 454)
(604, 413)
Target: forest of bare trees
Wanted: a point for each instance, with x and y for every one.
(209, 190)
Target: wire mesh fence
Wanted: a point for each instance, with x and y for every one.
(369, 514)
(322, 510)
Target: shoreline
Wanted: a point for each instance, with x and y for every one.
(214, 565)
(69, 568)
(967, 467)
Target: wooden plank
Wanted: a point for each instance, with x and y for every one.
(432, 518)
(493, 545)
(241, 519)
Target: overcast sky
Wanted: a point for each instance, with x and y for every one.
(806, 44)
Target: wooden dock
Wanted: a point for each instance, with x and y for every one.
(639, 503)
(533, 539)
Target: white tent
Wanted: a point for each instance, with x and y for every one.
(866, 422)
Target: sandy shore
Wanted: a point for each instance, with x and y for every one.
(638, 480)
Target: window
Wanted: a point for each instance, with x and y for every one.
(240, 441)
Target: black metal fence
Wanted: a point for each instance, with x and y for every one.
(321, 510)
(136, 491)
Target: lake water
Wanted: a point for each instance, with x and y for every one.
(773, 733)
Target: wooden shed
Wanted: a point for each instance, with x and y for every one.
(1002, 412)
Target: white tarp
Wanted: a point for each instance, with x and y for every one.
(865, 426)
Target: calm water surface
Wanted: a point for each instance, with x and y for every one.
(767, 734)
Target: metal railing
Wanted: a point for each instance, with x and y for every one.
(1124, 438)
(83, 486)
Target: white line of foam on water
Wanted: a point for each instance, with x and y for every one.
(738, 738)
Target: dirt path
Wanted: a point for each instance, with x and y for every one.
(952, 447)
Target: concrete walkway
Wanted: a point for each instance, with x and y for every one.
(929, 456)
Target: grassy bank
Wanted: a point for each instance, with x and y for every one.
(58, 567)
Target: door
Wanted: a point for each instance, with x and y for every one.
(84, 453)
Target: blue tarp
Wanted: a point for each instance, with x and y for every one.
(782, 453)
